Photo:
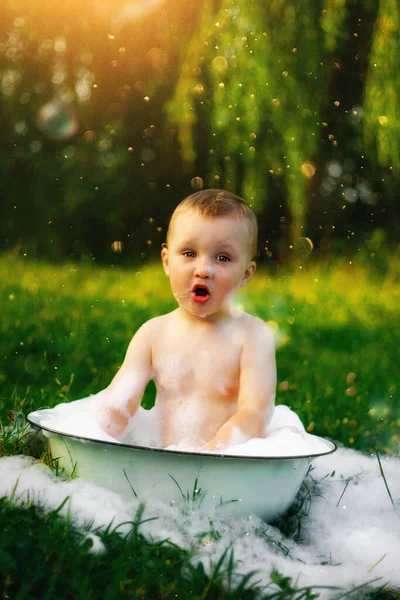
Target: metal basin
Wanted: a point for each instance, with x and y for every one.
(265, 486)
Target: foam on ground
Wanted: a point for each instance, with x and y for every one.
(350, 531)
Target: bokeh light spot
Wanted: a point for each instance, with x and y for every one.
(219, 64)
(57, 121)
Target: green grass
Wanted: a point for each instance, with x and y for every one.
(64, 332)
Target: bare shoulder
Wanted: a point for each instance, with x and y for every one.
(257, 331)
(151, 325)
(149, 333)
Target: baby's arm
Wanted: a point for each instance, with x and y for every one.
(122, 397)
(256, 390)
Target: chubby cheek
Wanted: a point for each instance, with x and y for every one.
(229, 285)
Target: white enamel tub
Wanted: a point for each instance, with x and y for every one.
(265, 486)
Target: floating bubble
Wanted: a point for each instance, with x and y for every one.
(308, 170)
(104, 144)
(147, 154)
(303, 247)
(89, 136)
(219, 64)
(117, 246)
(197, 183)
(57, 121)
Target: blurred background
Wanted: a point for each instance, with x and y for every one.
(111, 111)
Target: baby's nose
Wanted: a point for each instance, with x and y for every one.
(204, 268)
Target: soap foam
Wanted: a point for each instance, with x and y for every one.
(284, 436)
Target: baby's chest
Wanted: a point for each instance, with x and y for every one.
(196, 368)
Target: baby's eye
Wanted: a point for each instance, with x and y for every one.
(189, 254)
(222, 258)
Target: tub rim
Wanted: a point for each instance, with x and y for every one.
(35, 424)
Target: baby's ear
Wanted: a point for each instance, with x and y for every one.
(164, 258)
(248, 274)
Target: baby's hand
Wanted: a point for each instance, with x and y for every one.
(112, 420)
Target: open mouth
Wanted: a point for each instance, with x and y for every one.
(200, 293)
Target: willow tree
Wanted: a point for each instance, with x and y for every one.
(382, 91)
(260, 71)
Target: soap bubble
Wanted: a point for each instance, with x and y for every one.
(57, 121)
(196, 183)
(303, 247)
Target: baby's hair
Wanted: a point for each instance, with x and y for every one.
(217, 203)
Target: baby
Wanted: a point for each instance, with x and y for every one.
(213, 365)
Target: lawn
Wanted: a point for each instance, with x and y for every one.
(65, 329)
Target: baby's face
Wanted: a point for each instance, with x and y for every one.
(207, 260)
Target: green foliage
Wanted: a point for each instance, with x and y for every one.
(382, 92)
(257, 67)
(106, 118)
(264, 78)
